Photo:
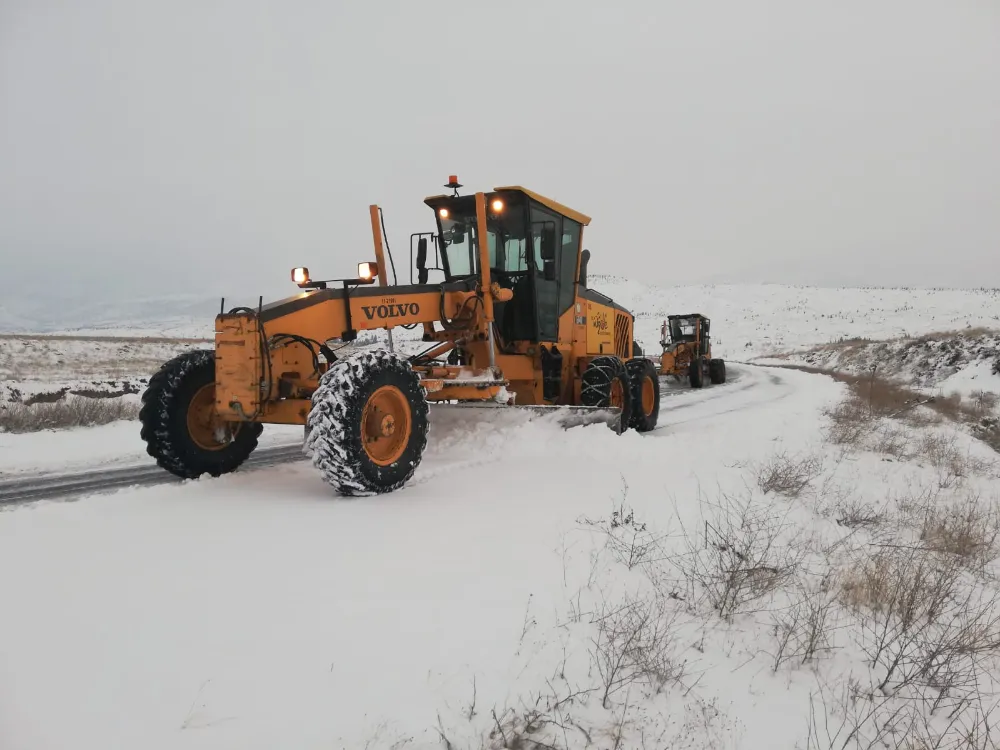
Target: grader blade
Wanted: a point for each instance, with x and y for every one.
(565, 416)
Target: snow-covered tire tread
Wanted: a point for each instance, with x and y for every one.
(639, 369)
(595, 386)
(163, 419)
(334, 440)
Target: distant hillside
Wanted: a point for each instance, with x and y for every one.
(748, 320)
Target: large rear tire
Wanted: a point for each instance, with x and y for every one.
(717, 371)
(179, 424)
(367, 428)
(645, 385)
(605, 383)
(696, 373)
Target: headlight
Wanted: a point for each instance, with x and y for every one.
(497, 206)
(367, 271)
(300, 275)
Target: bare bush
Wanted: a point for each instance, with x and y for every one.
(984, 403)
(987, 429)
(851, 717)
(919, 623)
(856, 513)
(544, 720)
(629, 540)
(892, 440)
(953, 465)
(634, 643)
(951, 406)
(788, 475)
(65, 413)
(850, 422)
(969, 529)
(803, 631)
(741, 556)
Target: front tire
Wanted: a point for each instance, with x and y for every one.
(179, 424)
(645, 385)
(367, 428)
(605, 383)
(696, 373)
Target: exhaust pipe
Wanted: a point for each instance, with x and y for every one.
(584, 259)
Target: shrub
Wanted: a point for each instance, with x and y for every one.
(65, 413)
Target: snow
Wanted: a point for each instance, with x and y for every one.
(258, 610)
(975, 378)
(112, 445)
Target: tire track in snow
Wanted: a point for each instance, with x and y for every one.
(70, 486)
(765, 388)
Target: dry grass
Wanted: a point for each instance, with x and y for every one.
(788, 475)
(969, 529)
(68, 412)
(921, 625)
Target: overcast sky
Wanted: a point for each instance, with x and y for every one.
(208, 146)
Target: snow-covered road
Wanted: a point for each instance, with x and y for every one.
(139, 471)
(258, 611)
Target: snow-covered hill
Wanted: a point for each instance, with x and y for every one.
(966, 362)
(757, 320)
(748, 319)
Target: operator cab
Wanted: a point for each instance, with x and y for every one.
(534, 250)
(690, 328)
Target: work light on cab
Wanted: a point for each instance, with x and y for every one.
(367, 271)
(300, 276)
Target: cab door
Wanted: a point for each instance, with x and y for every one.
(546, 228)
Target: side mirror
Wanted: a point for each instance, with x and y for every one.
(422, 253)
(422, 260)
(548, 243)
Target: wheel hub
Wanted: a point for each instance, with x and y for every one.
(205, 427)
(385, 425)
(388, 425)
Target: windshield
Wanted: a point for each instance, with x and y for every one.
(683, 328)
(507, 242)
(458, 240)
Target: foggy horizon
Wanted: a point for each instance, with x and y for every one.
(153, 150)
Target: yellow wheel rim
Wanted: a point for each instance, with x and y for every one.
(386, 424)
(648, 396)
(617, 395)
(207, 430)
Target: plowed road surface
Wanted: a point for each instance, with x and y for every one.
(96, 481)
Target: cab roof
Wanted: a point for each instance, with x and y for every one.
(559, 208)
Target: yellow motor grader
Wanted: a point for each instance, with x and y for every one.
(687, 350)
(510, 324)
